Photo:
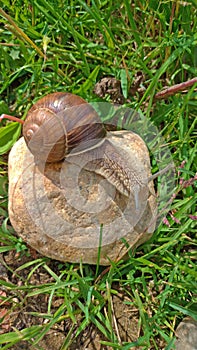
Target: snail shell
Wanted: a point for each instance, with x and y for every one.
(59, 123)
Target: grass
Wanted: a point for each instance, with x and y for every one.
(48, 46)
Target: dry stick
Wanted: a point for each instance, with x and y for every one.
(175, 88)
(10, 117)
(9, 44)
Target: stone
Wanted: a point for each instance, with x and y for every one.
(186, 334)
(70, 211)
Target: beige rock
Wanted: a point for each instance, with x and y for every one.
(186, 334)
(68, 209)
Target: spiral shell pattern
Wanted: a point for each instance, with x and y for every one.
(59, 123)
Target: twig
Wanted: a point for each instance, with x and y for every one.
(10, 117)
(172, 90)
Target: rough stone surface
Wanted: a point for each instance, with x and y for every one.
(186, 334)
(66, 213)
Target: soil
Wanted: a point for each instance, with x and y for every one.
(18, 314)
(125, 316)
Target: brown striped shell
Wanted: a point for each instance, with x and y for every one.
(60, 123)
